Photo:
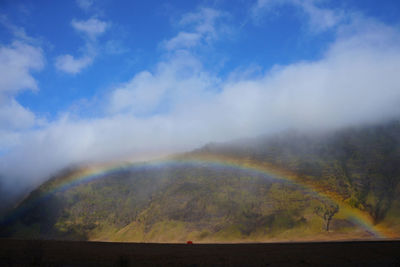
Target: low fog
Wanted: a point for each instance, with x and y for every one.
(179, 105)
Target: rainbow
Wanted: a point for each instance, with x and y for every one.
(99, 171)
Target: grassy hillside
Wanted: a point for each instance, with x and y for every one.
(361, 164)
(174, 204)
(208, 203)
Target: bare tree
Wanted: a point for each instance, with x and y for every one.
(326, 212)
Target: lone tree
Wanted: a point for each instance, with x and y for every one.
(326, 212)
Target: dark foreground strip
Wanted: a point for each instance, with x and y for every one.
(71, 253)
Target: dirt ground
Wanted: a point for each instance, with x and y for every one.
(69, 253)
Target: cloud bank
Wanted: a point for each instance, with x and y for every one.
(179, 105)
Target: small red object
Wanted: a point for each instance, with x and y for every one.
(189, 242)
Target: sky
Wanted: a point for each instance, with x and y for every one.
(99, 80)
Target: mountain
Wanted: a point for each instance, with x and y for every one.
(361, 164)
(293, 186)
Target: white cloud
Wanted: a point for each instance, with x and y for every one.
(92, 29)
(17, 61)
(172, 83)
(69, 64)
(320, 19)
(139, 95)
(15, 117)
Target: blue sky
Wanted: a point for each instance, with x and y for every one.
(99, 80)
(135, 29)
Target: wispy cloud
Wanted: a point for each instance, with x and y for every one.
(85, 4)
(183, 40)
(115, 47)
(17, 31)
(204, 27)
(91, 30)
(319, 18)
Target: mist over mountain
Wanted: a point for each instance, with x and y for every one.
(174, 202)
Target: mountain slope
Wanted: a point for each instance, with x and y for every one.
(361, 164)
(207, 202)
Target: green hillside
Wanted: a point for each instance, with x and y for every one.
(220, 203)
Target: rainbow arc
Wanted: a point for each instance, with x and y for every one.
(100, 171)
